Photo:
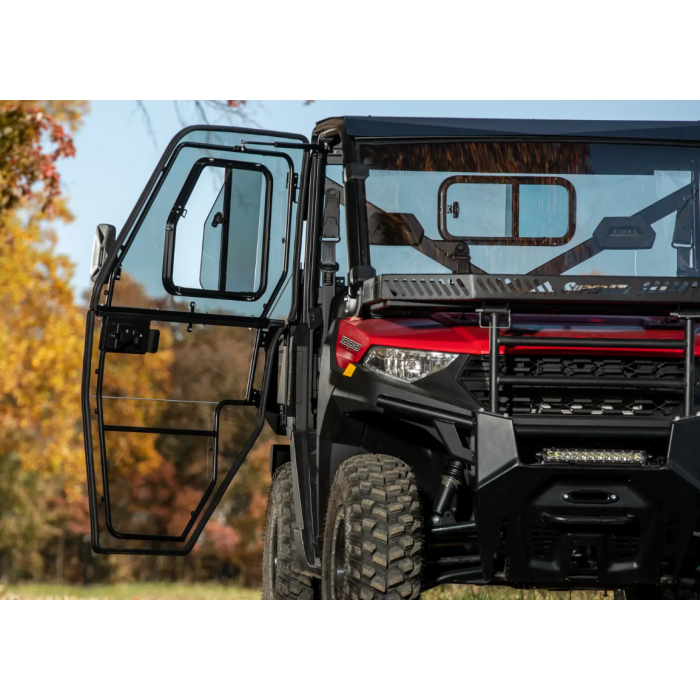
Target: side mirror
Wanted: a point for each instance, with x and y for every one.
(105, 235)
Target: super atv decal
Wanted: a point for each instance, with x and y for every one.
(350, 344)
(573, 287)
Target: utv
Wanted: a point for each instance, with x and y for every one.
(478, 337)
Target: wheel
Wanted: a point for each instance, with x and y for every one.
(653, 593)
(282, 577)
(373, 537)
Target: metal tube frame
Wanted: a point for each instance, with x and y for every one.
(102, 428)
(212, 495)
(687, 344)
(689, 366)
(494, 361)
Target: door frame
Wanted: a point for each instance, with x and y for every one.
(269, 335)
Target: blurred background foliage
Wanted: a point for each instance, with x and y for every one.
(44, 523)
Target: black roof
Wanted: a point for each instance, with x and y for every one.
(388, 127)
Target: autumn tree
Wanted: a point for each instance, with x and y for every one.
(40, 332)
(44, 524)
(28, 173)
(41, 335)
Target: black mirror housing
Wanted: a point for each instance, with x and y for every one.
(105, 236)
(624, 233)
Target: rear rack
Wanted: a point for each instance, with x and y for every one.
(497, 380)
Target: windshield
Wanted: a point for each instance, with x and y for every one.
(537, 208)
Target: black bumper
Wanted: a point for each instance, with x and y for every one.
(618, 525)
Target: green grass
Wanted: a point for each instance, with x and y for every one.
(452, 592)
(127, 591)
(217, 591)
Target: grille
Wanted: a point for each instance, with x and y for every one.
(624, 546)
(588, 400)
(544, 540)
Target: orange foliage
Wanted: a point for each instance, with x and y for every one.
(24, 164)
(44, 524)
(40, 364)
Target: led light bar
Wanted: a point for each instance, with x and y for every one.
(593, 456)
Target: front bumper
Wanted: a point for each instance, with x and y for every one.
(528, 534)
(602, 526)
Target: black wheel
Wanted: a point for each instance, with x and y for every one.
(282, 577)
(654, 593)
(373, 538)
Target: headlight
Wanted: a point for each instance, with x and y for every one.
(407, 365)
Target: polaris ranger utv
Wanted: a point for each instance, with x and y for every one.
(478, 337)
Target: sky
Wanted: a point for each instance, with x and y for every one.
(116, 154)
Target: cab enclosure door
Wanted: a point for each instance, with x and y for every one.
(182, 332)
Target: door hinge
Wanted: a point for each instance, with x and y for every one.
(295, 185)
(315, 317)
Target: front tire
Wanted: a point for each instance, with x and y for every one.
(282, 577)
(373, 537)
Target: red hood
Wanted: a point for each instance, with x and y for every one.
(445, 333)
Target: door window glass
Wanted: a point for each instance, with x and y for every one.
(142, 262)
(222, 247)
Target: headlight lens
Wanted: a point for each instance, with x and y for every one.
(407, 365)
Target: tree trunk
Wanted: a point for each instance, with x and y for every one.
(60, 556)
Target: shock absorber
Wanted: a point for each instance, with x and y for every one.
(452, 478)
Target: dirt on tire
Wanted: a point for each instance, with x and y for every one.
(282, 577)
(377, 499)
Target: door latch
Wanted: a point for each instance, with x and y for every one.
(131, 335)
